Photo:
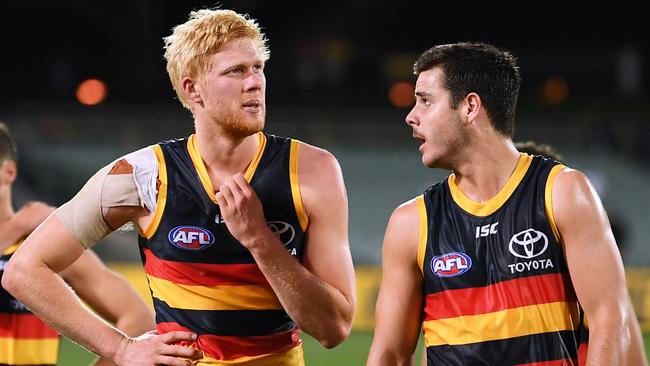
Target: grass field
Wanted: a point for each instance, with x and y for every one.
(352, 352)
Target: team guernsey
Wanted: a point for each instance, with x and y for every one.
(201, 278)
(496, 284)
(24, 338)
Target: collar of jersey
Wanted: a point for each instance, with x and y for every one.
(199, 165)
(489, 207)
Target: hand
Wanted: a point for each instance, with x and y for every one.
(31, 215)
(241, 210)
(152, 349)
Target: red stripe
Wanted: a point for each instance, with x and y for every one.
(185, 273)
(24, 326)
(562, 362)
(582, 353)
(500, 296)
(231, 348)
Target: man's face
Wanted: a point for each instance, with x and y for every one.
(436, 126)
(233, 90)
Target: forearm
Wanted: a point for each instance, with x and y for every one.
(319, 308)
(380, 356)
(609, 341)
(48, 296)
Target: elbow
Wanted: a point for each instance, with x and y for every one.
(337, 335)
(12, 278)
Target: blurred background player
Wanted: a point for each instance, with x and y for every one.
(243, 235)
(24, 338)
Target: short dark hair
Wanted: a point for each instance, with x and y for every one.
(480, 68)
(8, 150)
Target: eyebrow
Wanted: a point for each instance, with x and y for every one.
(423, 94)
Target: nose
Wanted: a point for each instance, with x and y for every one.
(412, 119)
(254, 81)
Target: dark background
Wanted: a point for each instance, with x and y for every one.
(330, 52)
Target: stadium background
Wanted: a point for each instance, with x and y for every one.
(339, 77)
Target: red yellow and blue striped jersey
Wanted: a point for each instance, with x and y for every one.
(201, 278)
(24, 338)
(497, 288)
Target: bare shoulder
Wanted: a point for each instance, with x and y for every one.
(402, 232)
(317, 162)
(405, 214)
(576, 205)
(320, 179)
(573, 192)
(571, 181)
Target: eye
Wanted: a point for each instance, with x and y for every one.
(236, 71)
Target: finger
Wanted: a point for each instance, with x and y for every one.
(176, 336)
(220, 199)
(234, 186)
(242, 184)
(182, 351)
(226, 195)
(173, 361)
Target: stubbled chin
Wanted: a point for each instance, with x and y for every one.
(245, 125)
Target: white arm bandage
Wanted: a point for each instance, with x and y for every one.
(83, 215)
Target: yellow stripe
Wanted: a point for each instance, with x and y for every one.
(252, 167)
(28, 351)
(192, 297)
(162, 193)
(548, 199)
(504, 324)
(195, 155)
(292, 357)
(424, 230)
(295, 186)
(487, 208)
(12, 248)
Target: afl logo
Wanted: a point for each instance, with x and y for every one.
(451, 264)
(528, 244)
(282, 231)
(191, 237)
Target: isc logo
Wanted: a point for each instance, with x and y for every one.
(451, 264)
(190, 237)
(485, 230)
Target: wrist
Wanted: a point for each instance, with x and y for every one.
(119, 355)
(261, 240)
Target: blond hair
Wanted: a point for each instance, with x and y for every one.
(190, 47)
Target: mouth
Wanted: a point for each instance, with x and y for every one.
(252, 106)
(419, 140)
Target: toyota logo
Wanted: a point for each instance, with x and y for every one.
(282, 231)
(528, 244)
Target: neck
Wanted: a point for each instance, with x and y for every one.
(486, 167)
(6, 206)
(224, 155)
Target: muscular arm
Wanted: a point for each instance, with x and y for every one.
(319, 294)
(32, 277)
(397, 315)
(110, 295)
(595, 266)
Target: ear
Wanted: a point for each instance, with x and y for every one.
(472, 106)
(192, 90)
(9, 171)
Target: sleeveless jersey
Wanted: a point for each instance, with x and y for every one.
(201, 278)
(24, 338)
(497, 289)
